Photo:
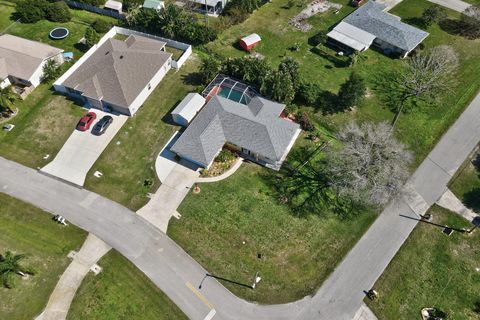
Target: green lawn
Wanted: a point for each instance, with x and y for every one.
(26, 229)
(432, 270)
(129, 168)
(421, 129)
(121, 291)
(466, 184)
(297, 253)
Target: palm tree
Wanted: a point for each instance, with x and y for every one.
(10, 265)
(7, 98)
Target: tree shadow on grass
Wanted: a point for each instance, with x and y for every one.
(192, 78)
(416, 21)
(471, 199)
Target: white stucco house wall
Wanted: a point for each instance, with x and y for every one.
(22, 60)
(117, 75)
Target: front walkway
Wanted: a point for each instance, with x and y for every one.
(61, 298)
(450, 201)
(164, 203)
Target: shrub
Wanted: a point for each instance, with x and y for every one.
(93, 2)
(309, 93)
(30, 12)
(101, 26)
(305, 122)
(433, 14)
(58, 12)
(225, 155)
(91, 37)
(209, 69)
(51, 70)
(351, 92)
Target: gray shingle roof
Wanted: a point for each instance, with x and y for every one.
(371, 18)
(21, 57)
(119, 70)
(256, 127)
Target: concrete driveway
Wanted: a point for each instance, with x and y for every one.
(81, 150)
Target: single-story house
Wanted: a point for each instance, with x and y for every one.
(117, 75)
(113, 5)
(255, 130)
(22, 60)
(153, 4)
(250, 41)
(372, 25)
(188, 108)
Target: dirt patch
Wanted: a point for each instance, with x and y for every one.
(317, 6)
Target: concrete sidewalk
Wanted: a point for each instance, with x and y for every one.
(456, 5)
(450, 201)
(62, 296)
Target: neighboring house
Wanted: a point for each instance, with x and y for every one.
(371, 25)
(117, 75)
(153, 4)
(255, 130)
(22, 60)
(188, 108)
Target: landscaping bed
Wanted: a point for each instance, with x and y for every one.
(432, 270)
(25, 229)
(222, 163)
(121, 291)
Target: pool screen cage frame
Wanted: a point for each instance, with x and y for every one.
(225, 82)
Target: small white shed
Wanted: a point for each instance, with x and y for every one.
(188, 109)
(113, 5)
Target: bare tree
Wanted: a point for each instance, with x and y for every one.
(369, 168)
(470, 22)
(372, 165)
(425, 75)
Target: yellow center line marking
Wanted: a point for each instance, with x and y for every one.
(199, 295)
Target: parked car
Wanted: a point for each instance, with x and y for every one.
(357, 3)
(102, 125)
(86, 121)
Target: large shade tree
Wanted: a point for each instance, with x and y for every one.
(425, 76)
(10, 265)
(368, 168)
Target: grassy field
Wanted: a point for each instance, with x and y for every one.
(25, 229)
(121, 291)
(432, 270)
(298, 253)
(466, 184)
(421, 129)
(129, 168)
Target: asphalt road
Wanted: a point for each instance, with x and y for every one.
(179, 276)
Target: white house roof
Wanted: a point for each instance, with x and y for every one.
(251, 39)
(114, 5)
(153, 4)
(352, 36)
(189, 106)
(211, 3)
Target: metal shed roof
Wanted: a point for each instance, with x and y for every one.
(251, 39)
(189, 106)
(351, 36)
(114, 5)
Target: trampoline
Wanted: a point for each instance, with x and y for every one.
(59, 33)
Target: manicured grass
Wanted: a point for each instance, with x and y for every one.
(44, 123)
(26, 229)
(420, 129)
(298, 253)
(176, 53)
(432, 270)
(129, 168)
(466, 184)
(121, 291)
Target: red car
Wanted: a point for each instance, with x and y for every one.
(86, 121)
